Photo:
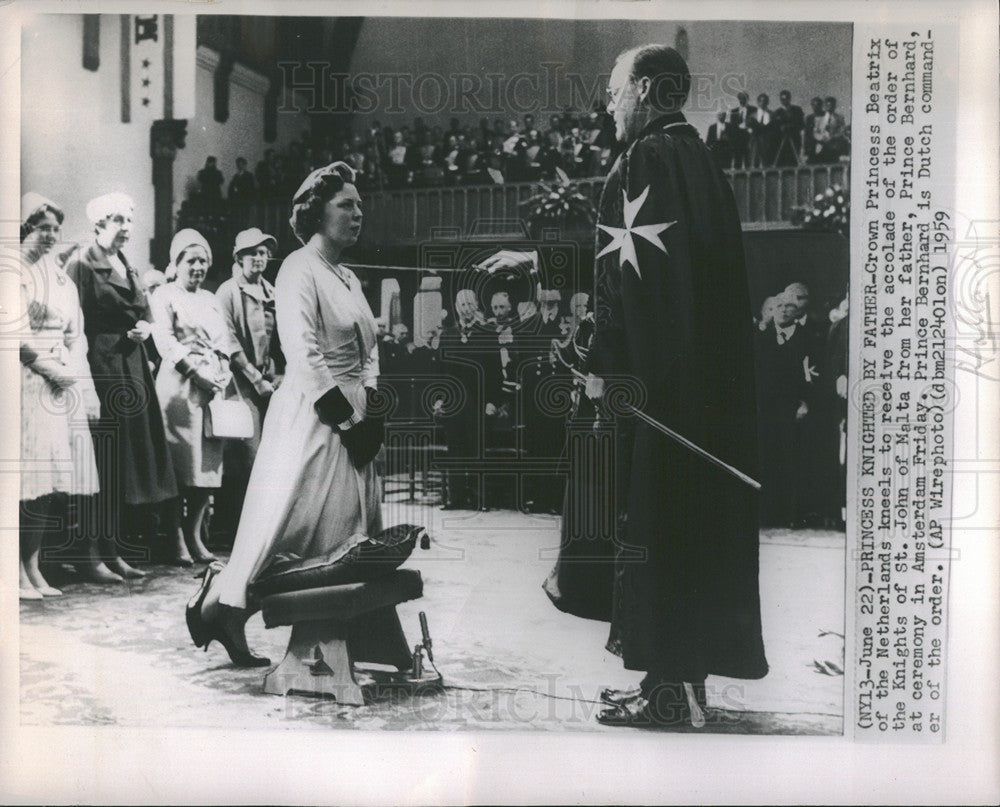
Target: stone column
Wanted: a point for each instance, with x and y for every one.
(165, 137)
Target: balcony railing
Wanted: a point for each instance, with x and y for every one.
(765, 199)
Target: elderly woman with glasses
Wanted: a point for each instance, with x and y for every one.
(136, 473)
(313, 489)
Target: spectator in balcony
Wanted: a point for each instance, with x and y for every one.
(373, 177)
(790, 123)
(450, 156)
(242, 187)
(763, 134)
(267, 180)
(210, 181)
(837, 144)
(576, 155)
(549, 155)
(717, 141)
(356, 154)
(399, 161)
(247, 303)
(816, 132)
(739, 130)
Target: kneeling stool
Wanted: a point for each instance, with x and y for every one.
(335, 626)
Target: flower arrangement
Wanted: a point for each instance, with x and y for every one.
(830, 211)
(558, 203)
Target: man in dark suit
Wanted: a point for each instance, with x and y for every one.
(789, 121)
(763, 134)
(812, 439)
(242, 185)
(837, 144)
(463, 349)
(739, 130)
(210, 181)
(782, 355)
(815, 136)
(544, 428)
(837, 361)
(718, 141)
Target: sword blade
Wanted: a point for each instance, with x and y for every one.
(701, 452)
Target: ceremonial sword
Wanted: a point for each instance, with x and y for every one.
(701, 452)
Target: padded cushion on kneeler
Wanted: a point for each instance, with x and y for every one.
(377, 556)
(341, 603)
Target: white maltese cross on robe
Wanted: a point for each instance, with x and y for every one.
(623, 238)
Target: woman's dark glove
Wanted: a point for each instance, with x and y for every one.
(362, 442)
(333, 408)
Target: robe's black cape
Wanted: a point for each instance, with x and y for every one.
(679, 327)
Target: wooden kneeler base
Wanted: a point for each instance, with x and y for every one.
(317, 662)
(321, 652)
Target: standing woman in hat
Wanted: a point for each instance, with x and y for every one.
(190, 333)
(132, 457)
(57, 394)
(313, 489)
(247, 302)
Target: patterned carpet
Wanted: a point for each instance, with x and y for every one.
(121, 654)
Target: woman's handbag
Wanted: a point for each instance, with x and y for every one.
(231, 419)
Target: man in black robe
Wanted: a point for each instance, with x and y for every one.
(673, 314)
(674, 332)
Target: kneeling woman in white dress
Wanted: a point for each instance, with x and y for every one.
(313, 489)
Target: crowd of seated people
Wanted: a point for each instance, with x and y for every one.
(515, 346)
(495, 150)
(416, 155)
(749, 136)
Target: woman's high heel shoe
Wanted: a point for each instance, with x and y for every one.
(197, 627)
(236, 645)
(226, 628)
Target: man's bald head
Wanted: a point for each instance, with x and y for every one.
(646, 82)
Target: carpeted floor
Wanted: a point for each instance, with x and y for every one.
(121, 654)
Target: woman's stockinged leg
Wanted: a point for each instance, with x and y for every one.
(197, 504)
(35, 519)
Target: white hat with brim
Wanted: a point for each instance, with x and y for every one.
(251, 239)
